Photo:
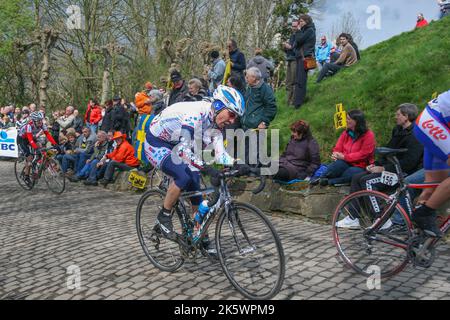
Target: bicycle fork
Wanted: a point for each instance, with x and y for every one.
(234, 220)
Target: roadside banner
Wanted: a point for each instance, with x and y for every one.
(8, 143)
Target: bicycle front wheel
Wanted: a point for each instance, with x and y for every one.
(54, 176)
(24, 181)
(250, 251)
(362, 247)
(163, 253)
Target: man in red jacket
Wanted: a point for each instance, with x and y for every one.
(121, 158)
(93, 115)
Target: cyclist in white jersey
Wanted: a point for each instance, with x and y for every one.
(172, 140)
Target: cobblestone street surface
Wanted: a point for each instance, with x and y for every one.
(41, 235)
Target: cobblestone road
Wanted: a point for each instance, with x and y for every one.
(41, 235)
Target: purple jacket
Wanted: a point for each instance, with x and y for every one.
(301, 158)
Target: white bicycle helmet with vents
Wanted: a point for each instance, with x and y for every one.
(228, 98)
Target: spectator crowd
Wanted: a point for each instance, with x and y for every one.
(102, 141)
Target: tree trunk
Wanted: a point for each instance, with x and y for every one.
(106, 84)
(47, 38)
(45, 74)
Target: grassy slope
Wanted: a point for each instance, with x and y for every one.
(407, 68)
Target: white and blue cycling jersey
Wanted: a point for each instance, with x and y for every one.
(190, 127)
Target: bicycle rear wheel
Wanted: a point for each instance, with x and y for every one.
(250, 251)
(19, 170)
(162, 253)
(54, 176)
(366, 250)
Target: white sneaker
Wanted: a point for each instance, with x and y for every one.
(348, 223)
(387, 225)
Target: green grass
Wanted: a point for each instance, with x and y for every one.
(407, 68)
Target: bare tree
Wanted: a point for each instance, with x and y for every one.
(347, 24)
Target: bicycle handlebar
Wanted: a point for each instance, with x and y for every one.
(254, 172)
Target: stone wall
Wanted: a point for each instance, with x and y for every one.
(316, 203)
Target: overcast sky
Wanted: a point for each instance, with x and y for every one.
(397, 16)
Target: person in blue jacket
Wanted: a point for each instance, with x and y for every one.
(323, 51)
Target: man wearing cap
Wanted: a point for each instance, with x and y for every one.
(180, 89)
(122, 158)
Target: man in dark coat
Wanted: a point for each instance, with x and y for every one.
(291, 63)
(238, 62)
(402, 138)
(260, 110)
(107, 124)
(304, 47)
(120, 117)
(180, 88)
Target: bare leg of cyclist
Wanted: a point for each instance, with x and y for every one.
(28, 165)
(425, 215)
(165, 216)
(173, 194)
(440, 196)
(432, 177)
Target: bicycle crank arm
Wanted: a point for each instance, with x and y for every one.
(422, 251)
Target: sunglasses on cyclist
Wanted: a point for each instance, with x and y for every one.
(231, 115)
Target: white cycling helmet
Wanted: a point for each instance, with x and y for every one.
(36, 116)
(228, 98)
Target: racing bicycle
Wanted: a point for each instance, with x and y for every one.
(43, 164)
(248, 247)
(372, 243)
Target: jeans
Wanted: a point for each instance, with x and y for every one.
(93, 173)
(85, 172)
(111, 168)
(340, 172)
(93, 127)
(67, 160)
(81, 161)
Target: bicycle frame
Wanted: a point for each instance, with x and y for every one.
(402, 191)
(223, 203)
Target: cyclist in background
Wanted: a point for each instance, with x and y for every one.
(172, 137)
(433, 130)
(28, 135)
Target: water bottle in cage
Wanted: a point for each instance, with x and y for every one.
(203, 210)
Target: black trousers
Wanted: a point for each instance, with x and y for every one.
(334, 68)
(282, 175)
(112, 166)
(367, 181)
(301, 80)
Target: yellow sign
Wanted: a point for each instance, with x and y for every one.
(137, 180)
(340, 118)
(434, 96)
(227, 73)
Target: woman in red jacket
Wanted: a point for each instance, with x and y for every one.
(354, 151)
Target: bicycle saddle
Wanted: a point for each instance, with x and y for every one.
(390, 152)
